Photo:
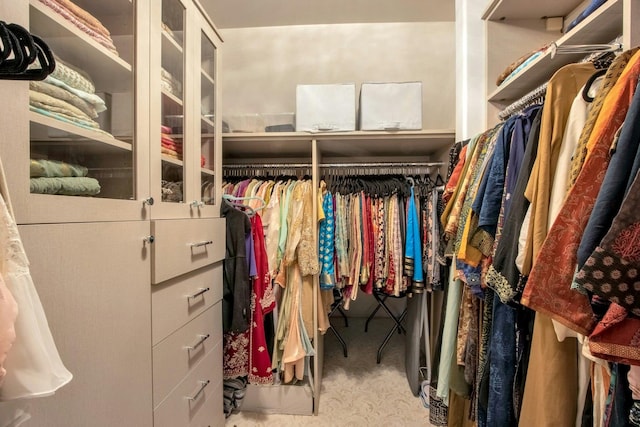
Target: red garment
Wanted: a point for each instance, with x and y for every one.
(548, 288)
(262, 302)
(617, 337)
(366, 275)
(174, 147)
(247, 353)
(450, 187)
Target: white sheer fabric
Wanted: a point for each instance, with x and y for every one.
(33, 364)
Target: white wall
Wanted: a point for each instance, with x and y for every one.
(261, 66)
(471, 68)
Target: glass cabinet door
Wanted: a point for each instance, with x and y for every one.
(208, 106)
(173, 124)
(82, 117)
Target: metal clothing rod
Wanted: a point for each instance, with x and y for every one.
(381, 165)
(333, 165)
(527, 100)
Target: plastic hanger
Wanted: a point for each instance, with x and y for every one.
(45, 59)
(6, 42)
(587, 85)
(26, 48)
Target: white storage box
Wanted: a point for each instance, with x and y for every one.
(245, 123)
(326, 108)
(391, 106)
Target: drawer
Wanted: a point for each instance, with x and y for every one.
(188, 400)
(177, 301)
(212, 413)
(180, 352)
(183, 245)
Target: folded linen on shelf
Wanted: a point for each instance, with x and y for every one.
(55, 168)
(73, 76)
(519, 64)
(83, 20)
(87, 18)
(171, 153)
(170, 83)
(172, 147)
(93, 99)
(64, 95)
(67, 119)
(67, 186)
(55, 105)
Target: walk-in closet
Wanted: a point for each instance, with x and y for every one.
(286, 213)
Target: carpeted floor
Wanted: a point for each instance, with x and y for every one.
(355, 390)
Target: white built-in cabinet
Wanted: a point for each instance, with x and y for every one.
(516, 27)
(184, 49)
(131, 284)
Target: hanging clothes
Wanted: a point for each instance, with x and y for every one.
(546, 289)
(285, 257)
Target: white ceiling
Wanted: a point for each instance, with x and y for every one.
(266, 13)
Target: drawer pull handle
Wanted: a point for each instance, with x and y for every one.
(197, 294)
(148, 239)
(203, 384)
(200, 244)
(148, 201)
(201, 341)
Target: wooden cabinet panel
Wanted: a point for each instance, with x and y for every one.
(180, 352)
(179, 300)
(183, 245)
(93, 280)
(212, 412)
(189, 398)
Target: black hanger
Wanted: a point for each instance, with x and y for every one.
(45, 59)
(26, 48)
(15, 64)
(587, 86)
(6, 42)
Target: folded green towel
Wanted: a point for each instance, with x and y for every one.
(68, 186)
(55, 168)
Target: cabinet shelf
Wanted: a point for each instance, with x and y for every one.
(207, 171)
(177, 102)
(109, 72)
(206, 77)
(70, 134)
(602, 26)
(339, 144)
(172, 56)
(171, 41)
(501, 10)
(172, 160)
(208, 122)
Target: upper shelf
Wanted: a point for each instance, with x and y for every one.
(52, 131)
(602, 26)
(109, 72)
(500, 10)
(338, 144)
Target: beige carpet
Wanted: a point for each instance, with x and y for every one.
(355, 390)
